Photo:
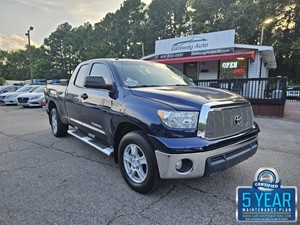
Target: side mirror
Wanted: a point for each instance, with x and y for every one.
(97, 82)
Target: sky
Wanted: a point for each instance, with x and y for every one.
(16, 16)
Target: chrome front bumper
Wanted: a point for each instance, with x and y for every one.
(206, 163)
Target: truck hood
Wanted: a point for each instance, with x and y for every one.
(186, 97)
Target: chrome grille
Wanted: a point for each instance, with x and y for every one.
(223, 121)
(23, 100)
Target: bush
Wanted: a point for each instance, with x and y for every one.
(2, 81)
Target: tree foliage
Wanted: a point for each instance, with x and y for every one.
(120, 34)
(2, 81)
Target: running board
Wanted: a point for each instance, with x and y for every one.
(92, 142)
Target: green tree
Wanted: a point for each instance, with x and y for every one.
(3, 58)
(2, 81)
(42, 64)
(101, 46)
(125, 29)
(16, 66)
(78, 43)
(286, 38)
(166, 19)
(58, 50)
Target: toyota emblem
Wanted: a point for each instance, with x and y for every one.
(237, 120)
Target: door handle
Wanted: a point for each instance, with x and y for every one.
(84, 96)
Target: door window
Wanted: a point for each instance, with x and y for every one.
(81, 75)
(190, 69)
(100, 69)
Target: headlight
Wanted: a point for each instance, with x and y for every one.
(179, 119)
(34, 97)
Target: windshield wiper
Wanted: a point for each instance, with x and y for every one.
(138, 86)
(178, 85)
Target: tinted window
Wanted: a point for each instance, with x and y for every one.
(81, 75)
(102, 70)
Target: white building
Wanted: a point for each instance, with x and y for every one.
(214, 56)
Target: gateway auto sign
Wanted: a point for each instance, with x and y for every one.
(195, 45)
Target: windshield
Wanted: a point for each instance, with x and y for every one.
(39, 90)
(147, 74)
(24, 89)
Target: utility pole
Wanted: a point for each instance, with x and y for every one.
(191, 27)
(264, 23)
(143, 47)
(29, 53)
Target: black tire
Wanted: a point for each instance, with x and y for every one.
(141, 184)
(58, 128)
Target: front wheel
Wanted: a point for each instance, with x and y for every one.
(137, 162)
(58, 128)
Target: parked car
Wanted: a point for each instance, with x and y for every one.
(10, 88)
(59, 81)
(32, 99)
(153, 120)
(293, 93)
(10, 98)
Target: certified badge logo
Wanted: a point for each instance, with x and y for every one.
(266, 200)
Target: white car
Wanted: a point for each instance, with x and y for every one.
(10, 98)
(32, 99)
(10, 88)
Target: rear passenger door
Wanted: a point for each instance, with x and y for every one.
(96, 108)
(73, 96)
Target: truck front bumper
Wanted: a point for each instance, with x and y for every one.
(199, 164)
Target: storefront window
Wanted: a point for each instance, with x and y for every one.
(190, 70)
(234, 69)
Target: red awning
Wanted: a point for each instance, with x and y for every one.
(234, 55)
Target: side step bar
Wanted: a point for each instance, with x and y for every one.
(92, 142)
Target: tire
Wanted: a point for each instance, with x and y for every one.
(58, 128)
(139, 158)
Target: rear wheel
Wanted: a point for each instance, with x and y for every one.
(138, 163)
(58, 128)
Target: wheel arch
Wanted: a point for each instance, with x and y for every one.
(123, 129)
(51, 105)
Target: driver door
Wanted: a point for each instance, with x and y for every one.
(96, 107)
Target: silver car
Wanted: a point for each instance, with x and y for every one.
(10, 98)
(31, 99)
(10, 88)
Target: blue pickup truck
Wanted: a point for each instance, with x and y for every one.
(153, 120)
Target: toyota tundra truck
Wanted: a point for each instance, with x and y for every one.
(152, 120)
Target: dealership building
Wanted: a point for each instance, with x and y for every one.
(214, 56)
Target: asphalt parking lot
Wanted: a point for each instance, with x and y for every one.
(48, 180)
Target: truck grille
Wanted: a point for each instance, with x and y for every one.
(223, 121)
(22, 100)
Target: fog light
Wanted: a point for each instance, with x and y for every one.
(184, 166)
(178, 165)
